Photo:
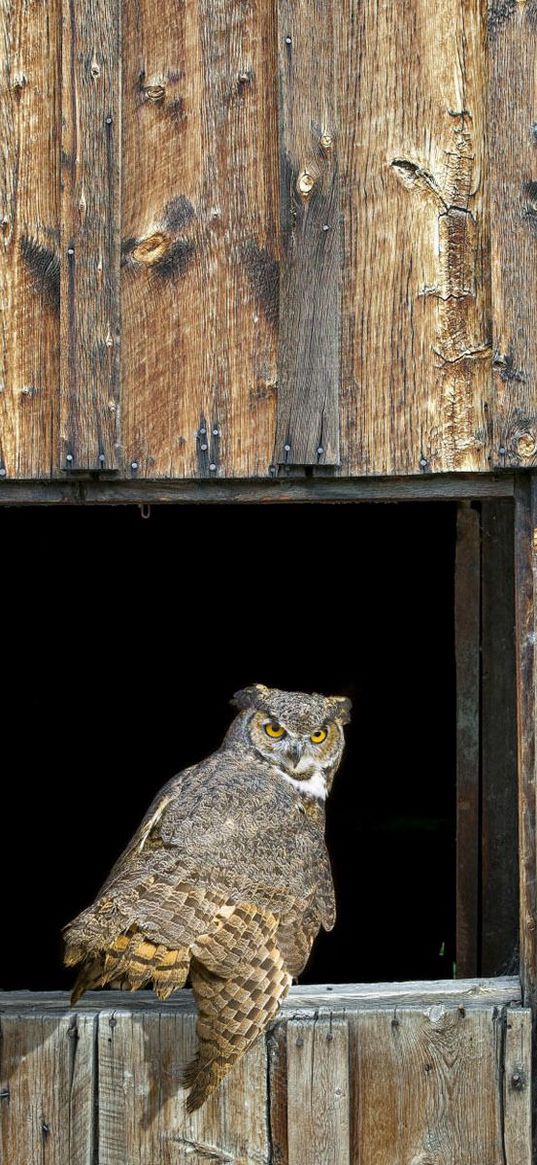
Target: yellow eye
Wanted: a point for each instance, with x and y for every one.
(318, 736)
(275, 731)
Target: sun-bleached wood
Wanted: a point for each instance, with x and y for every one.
(416, 350)
(513, 174)
(90, 236)
(318, 1090)
(29, 243)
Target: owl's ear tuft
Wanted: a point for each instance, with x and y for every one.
(252, 697)
(342, 708)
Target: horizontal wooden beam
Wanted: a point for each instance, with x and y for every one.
(447, 487)
(502, 991)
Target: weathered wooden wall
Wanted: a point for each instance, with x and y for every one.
(244, 239)
(416, 1073)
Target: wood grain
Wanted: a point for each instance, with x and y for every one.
(468, 692)
(518, 1087)
(513, 178)
(526, 664)
(310, 277)
(318, 1091)
(416, 287)
(200, 242)
(499, 796)
(47, 1089)
(29, 238)
(142, 1111)
(90, 235)
(414, 1072)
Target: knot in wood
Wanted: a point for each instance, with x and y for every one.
(305, 183)
(526, 446)
(151, 249)
(326, 141)
(154, 92)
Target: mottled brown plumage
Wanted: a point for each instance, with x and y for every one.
(227, 880)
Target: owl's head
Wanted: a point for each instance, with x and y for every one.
(300, 734)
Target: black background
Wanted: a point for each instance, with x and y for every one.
(122, 643)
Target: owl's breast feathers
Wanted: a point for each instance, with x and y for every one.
(228, 880)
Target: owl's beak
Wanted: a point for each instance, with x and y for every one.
(294, 752)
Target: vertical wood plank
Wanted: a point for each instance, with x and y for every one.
(277, 1063)
(518, 1087)
(467, 665)
(47, 1089)
(513, 152)
(310, 278)
(90, 235)
(200, 238)
(318, 1091)
(416, 293)
(29, 237)
(499, 811)
(414, 1072)
(526, 638)
(142, 1111)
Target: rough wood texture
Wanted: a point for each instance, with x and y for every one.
(310, 292)
(513, 144)
(142, 1113)
(445, 487)
(414, 1072)
(526, 663)
(318, 1091)
(415, 345)
(90, 235)
(29, 242)
(467, 668)
(438, 1082)
(47, 1088)
(200, 252)
(499, 803)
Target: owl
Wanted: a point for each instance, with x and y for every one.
(227, 880)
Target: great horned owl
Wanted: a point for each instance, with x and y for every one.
(227, 879)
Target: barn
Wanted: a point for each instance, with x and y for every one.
(268, 412)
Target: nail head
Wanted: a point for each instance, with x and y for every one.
(212, 465)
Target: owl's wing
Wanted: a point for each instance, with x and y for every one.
(239, 979)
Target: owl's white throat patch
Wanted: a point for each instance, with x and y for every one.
(314, 786)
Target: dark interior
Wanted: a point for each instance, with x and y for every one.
(122, 643)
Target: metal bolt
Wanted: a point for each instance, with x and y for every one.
(502, 450)
(212, 466)
(101, 458)
(203, 448)
(288, 40)
(3, 472)
(202, 432)
(320, 450)
(216, 432)
(326, 227)
(287, 448)
(70, 251)
(109, 121)
(69, 457)
(423, 462)
(134, 465)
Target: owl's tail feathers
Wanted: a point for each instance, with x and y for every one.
(238, 980)
(131, 960)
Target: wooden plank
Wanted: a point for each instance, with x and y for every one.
(513, 141)
(200, 252)
(142, 1112)
(47, 1089)
(439, 488)
(29, 247)
(517, 1087)
(499, 824)
(526, 637)
(467, 670)
(277, 1092)
(501, 991)
(310, 275)
(318, 1091)
(90, 235)
(416, 288)
(414, 1072)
